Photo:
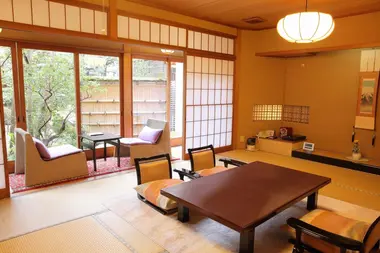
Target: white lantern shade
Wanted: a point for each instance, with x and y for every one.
(306, 27)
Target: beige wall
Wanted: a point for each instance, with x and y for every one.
(260, 80)
(328, 83)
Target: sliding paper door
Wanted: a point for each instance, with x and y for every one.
(209, 102)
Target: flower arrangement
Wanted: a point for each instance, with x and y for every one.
(356, 147)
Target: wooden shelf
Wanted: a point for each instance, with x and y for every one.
(340, 160)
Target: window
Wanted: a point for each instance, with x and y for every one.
(297, 114)
(267, 112)
(100, 94)
(150, 92)
(209, 102)
(50, 99)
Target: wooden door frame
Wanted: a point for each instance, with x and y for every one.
(5, 192)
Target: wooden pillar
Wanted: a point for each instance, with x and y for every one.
(4, 193)
(127, 94)
(112, 19)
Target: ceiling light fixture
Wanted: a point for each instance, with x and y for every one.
(306, 27)
(167, 51)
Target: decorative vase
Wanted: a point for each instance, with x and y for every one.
(356, 156)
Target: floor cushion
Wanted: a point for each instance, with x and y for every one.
(151, 192)
(63, 150)
(134, 141)
(334, 223)
(207, 172)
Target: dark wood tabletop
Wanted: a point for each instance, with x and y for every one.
(102, 137)
(246, 196)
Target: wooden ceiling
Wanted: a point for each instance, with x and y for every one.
(232, 12)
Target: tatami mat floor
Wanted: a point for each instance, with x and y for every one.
(106, 212)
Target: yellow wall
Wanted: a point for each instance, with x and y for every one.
(260, 81)
(327, 82)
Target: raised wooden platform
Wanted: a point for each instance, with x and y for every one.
(371, 166)
(279, 146)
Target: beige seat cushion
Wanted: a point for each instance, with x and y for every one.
(151, 192)
(208, 172)
(333, 223)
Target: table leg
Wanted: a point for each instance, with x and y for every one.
(247, 241)
(94, 154)
(183, 213)
(105, 151)
(118, 152)
(312, 201)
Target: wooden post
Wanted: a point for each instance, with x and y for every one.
(112, 19)
(127, 98)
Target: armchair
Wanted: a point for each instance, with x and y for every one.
(324, 232)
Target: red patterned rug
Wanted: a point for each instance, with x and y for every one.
(17, 182)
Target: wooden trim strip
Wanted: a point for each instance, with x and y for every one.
(177, 24)
(151, 44)
(13, 11)
(199, 53)
(77, 97)
(121, 95)
(82, 4)
(4, 193)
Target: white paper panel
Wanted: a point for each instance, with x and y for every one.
(218, 82)
(224, 97)
(204, 130)
(231, 68)
(190, 80)
(134, 29)
(198, 64)
(218, 44)
(197, 128)
(122, 27)
(218, 94)
(204, 81)
(230, 46)
(377, 60)
(22, 11)
(72, 18)
(57, 15)
(173, 36)
(230, 82)
(87, 20)
(230, 96)
(224, 45)
(204, 112)
(217, 141)
(211, 66)
(218, 66)
(197, 97)
(364, 61)
(189, 113)
(6, 10)
(164, 34)
(204, 141)
(229, 125)
(101, 22)
(371, 61)
(155, 32)
(204, 65)
(229, 139)
(197, 142)
(211, 97)
(229, 111)
(197, 81)
(145, 30)
(197, 113)
(211, 81)
(197, 40)
(224, 111)
(223, 125)
(182, 37)
(217, 126)
(189, 97)
(189, 143)
(225, 67)
(224, 82)
(211, 43)
(189, 129)
(211, 127)
(205, 41)
(190, 64)
(204, 97)
(190, 43)
(223, 139)
(40, 12)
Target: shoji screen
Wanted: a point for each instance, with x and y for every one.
(209, 98)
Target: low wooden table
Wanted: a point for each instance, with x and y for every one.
(109, 138)
(245, 197)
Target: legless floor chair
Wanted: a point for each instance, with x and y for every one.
(137, 147)
(66, 162)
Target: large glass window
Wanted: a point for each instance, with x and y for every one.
(100, 93)
(150, 92)
(50, 96)
(8, 99)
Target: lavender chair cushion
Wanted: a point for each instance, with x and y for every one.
(64, 150)
(150, 134)
(42, 149)
(133, 141)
